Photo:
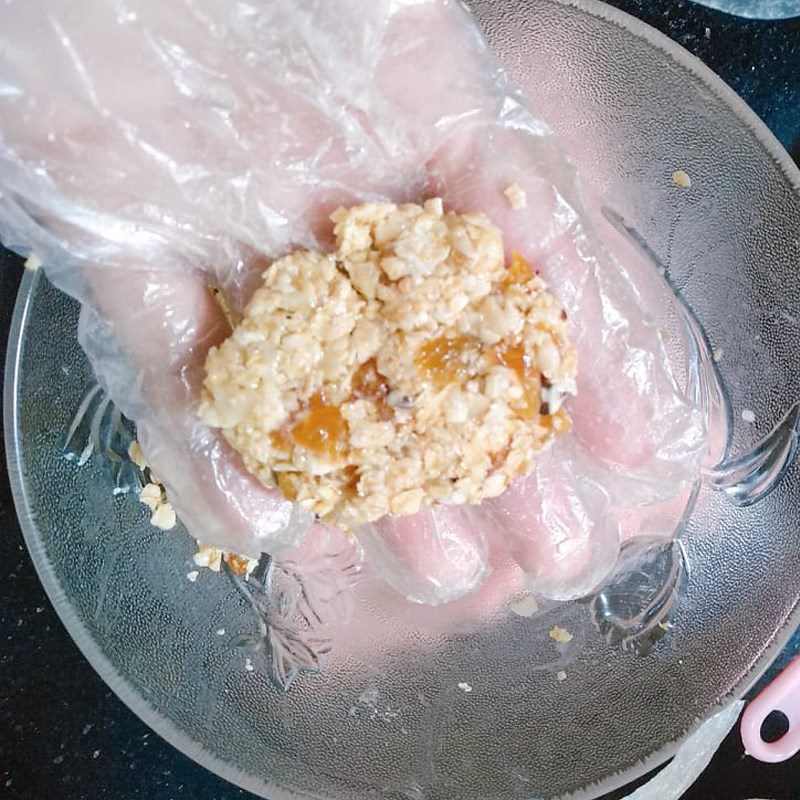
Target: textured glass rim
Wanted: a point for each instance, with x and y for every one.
(163, 726)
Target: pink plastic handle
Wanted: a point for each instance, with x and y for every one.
(783, 694)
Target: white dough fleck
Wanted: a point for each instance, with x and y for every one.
(682, 179)
(516, 196)
(526, 607)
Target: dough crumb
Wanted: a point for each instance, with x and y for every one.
(208, 556)
(192, 576)
(150, 495)
(682, 179)
(748, 415)
(560, 635)
(561, 676)
(465, 687)
(33, 262)
(717, 354)
(241, 565)
(136, 456)
(164, 517)
(222, 301)
(526, 607)
(517, 196)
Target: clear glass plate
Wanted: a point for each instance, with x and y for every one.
(481, 704)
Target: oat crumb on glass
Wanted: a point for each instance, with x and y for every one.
(681, 178)
(560, 635)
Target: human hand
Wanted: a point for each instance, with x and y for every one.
(162, 147)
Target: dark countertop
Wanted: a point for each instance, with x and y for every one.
(64, 735)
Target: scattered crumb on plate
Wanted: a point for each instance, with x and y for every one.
(248, 665)
(717, 354)
(135, 454)
(208, 556)
(665, 625)
(33, 262)
(465, 687)
(560, 635)
(150, 495)
(526, 607)
(192, 576)
(682, 179)
(561, 676)
(240, 565)
(516, 195)
(164, 517)
(748, 415)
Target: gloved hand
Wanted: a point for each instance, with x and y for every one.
(149, 149)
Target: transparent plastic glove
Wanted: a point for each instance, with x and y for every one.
(218, 499)
(176, 162)
(691, 759)
(161, 146)
(628, 413)
(559, 527)
(430, 557)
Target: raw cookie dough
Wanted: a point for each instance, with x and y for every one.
(412, 365)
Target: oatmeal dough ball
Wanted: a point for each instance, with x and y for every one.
(411, 366)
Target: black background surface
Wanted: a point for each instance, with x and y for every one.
(65, 736)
